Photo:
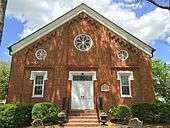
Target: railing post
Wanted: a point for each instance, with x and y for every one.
(101, 103)
(64, 103)
(98, 109)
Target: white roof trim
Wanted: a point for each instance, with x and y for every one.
(71, 14)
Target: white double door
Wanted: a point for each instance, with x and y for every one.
(82, 95)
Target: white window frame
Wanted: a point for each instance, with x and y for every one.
(130, 74)
(33, 77)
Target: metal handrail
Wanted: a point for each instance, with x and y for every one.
(98, 109)
(67, 110)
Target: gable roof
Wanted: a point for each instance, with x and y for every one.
(71, 14)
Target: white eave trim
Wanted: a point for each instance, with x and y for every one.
(71, 14)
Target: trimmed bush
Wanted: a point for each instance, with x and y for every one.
(7, 116)
(47, 112)
(120, 112)
(13, 115)
(152, 113)
(23, 114)
(144, 111)
(163, 113)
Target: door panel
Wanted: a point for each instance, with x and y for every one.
(82, 95)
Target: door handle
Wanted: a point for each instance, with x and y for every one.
(82, 97)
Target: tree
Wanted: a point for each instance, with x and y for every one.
(164, 4)
(161, 77)
(4, 77)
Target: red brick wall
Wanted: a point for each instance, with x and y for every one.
(64, 57)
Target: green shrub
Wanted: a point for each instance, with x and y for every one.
(163, 113)
(152, 113)
(7, 116)
(13, 115)
(144, 111)
(47, 112)
(120, 112)
(23, 115)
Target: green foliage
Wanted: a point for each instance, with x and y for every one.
(7, 116)
(161, 76)
(47, 112)
(120, 112)
(23, 114)
(4, 76)
(163, 113)
(152, 113)
(12, 115)
(143, 111)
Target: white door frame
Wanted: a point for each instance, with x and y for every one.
(92, 73)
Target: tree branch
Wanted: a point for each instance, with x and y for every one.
(161, 6)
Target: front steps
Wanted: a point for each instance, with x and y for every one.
(83, 119)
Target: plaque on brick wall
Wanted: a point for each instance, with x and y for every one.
(104, 88)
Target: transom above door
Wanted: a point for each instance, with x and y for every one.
(82, 77)
(82, 92)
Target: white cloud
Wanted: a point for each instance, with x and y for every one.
(168, 41)
(149, 27)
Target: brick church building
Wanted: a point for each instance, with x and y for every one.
(81, 56)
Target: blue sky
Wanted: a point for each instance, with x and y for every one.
(145, 21)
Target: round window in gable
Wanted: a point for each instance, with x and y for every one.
(41, 54)
(83, 42)
(123, 54)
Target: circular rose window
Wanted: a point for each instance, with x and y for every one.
(41, 54)
(83, 42)
(123, 55)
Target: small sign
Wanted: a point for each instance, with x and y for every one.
(104, 88)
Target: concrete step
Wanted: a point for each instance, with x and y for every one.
(82, 127)
(84, 124)
(83, 111)
(82, 117)
(83, 120)
(83, 114)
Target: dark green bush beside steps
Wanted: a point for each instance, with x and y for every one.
(148, 113)
(19, 115)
